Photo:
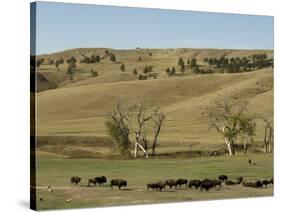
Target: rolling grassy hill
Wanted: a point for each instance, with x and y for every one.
(78, 108)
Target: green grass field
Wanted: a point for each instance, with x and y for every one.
(56, 170)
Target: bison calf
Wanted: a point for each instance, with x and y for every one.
(75, 180)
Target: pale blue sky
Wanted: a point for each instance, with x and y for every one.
(63, 26)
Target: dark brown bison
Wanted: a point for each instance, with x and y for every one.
(75, 180)
(206, 184)
(257, 184)
(118, 182)
(97, 180)
(156, 186)
(223, 177)
(180, 182)
(194, 183)
(171, 183)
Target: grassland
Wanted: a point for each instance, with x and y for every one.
(72, 137)
(56, 170)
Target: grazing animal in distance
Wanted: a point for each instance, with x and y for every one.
(207, 184)
(118, 182)
(239, 180)
(257, 184)
(157, 186)
(223, 177)
(181, 181)
(171, 183)
(75, 180)
(194, 183)
(97, 180)
(265, 182)
(251, 162)
(271, 181)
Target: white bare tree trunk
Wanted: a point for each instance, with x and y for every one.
(228, 144)
(144, 151)
(136, 149)
(245, 143)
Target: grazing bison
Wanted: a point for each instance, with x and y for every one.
(239, 180)
(118, 182)
(217, 183)
(75, 180)
(194, 183)
(271, 181)
(257, 184)
(156, 186)
(229, 182)
(97, 180)
(223, 177)
(207, 184)
(180, 182)
(171, 183)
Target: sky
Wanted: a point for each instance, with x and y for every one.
(61, 26)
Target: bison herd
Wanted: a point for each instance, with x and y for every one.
(205, 184)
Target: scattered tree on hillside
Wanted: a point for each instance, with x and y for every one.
(182, 69)
(39, 62)
(168, 71)
(71, 60)
(193, 62)
(140, 58)
(188, 62)
(113, 58)
(150, 54)
(94, 73)
(71, 69)
(122, 68)
(135, 72)
(181, 62)
(50, 61)
(173, 71)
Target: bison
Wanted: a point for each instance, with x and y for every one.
(180, 182)
(257, 184)
(207, 184)
(75, 180)
(156, 186)
(223, 177)
(194, 183)
(118, 182)
(97, 180)
(171, 183)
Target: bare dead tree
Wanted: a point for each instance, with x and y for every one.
(158, 120)
(135, 121)
(139, 115)
(268, 134)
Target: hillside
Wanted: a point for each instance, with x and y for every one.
(136, 59)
